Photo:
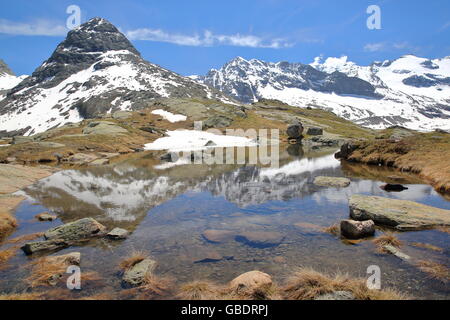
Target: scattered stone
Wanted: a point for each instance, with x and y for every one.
(82, 158)
(45, 216)
(393, 187)
(99, 162)
(118, 234)
(48, 245)
(260, 239)
(21, 139)
(78, 230)
(402, 215)
(332, 182)
(217, 121)
(295, 130)
(104, 127)
(136, 274)
(121, 115)
(357, 229)
(48, 144)
(309, 227)
(337, 295)
(396, 252)
(314, 131)
(218, 236)
(251, 282)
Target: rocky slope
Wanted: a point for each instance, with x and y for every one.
(8, 79)
(93, 71)
(410, 91)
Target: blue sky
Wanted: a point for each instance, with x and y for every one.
(190, 37)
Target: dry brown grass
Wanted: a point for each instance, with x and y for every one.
(307, 284)
(46, 272)
(427, 246)
(334, 229)
(200, 290)
(7, 254)
(443, 229)
(387, 239)
(7, 224)
(135, 257)
(22, 296)
(426, 154)
(434, 270)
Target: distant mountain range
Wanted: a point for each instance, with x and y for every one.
(96, 70)
(410, 91)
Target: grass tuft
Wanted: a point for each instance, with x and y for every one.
(387, 239)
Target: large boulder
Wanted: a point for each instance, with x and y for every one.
(346, 150)
(352, 229)
(399, 214)
(295, 130)
(78, 230)
(335, 182)
(251, 282)
(314, 131)
(136, 274)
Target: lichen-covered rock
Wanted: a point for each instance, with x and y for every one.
(352, 229)
(78, 230)
(104, 127)
(332, 182)
(48, 245)
(336, 295)
(137, 273)
(400, 214)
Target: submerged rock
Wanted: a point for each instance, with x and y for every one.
(78, 230)
(332, 182)
(400, 214)
(45, 216)
(218, 236)
(260, 239)
(357, 229)
(137, 273)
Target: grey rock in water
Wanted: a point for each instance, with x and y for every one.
(396, 252)
(78, 230)
(48, 245)
(118, 234)
(295, 130)
(400, 214)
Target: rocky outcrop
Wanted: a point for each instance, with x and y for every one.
(104, 127)
(335, 182)
(136, 275)
(357, 229)
(399, 214)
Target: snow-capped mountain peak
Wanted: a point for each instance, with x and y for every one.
(8, 79)
(411, 91)
(93, 71)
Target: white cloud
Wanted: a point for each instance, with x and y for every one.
(208, 39)
(374, 47)
(445, 26)
(40, 27)
(388, 46)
